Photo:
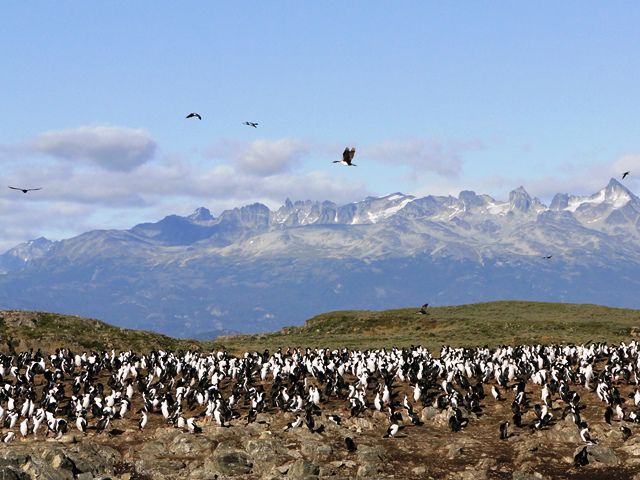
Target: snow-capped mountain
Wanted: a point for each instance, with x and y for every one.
(252, 269)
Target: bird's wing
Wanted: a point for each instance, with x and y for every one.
(15, 188)
(352, 153)
(345, 155)
(34, 189)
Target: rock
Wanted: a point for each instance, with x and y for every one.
(428, 413)
(317, 451)
(233, 463)
(601, 454)
(88, 476)
(302, 468)
(527, 476)
(10, 473)
(419, 470)
(368, 470)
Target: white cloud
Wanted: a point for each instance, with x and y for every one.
(441, 157)
(112, 148)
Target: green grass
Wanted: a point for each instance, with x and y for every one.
(48, 331)
(493, 323)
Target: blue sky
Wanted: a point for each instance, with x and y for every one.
(437, 97)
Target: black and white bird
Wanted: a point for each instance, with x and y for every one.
(581, 458)
(585, 436)
(192, 427)
(624, 175)
(347, 157)
(423, 309)
(495, 392)
(504, 430)
(143, 421)
(391, 431)
(351, 445)
(295, 423)
(251, 124)
(8, 437)
(626, 433)
(25, 190)
(335, 419)
(194, 115)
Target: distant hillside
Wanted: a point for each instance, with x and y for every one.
(22, 330)
(253, 269)
(493, 323)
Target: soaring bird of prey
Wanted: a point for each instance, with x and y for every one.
(251, 124)
(347, 157)
(194, 115)
(25, 190)
(625, 174)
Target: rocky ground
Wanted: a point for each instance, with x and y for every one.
(263, 450)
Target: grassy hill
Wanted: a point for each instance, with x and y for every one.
(23, 330)
(493, 323)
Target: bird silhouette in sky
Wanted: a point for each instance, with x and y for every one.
(347, 157)
(194, 115)
(251, 124)
(625, 174)
(25, 190)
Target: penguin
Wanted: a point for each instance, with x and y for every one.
(608, 413)
(391, 431)
(143, 420)
(192, 427)
(504, 430)
(626, 433)
(335, 419)
(496, 393)
(294, 424)
(351, 445)
(8, 437)
(581, 458)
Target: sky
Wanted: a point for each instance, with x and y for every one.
(436, 97)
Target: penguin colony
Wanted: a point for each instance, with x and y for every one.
(94, 393)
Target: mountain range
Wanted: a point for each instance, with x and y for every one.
(253, 269)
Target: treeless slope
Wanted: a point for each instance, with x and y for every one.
(21, 330)
(492, 323)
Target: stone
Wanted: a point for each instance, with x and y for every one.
(302, 469)
(601, 454)
(233, 463)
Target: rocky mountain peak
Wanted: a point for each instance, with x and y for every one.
(520, 200)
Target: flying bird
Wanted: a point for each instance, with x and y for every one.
(625, 174)
(194, 115)
(251, 124)
(547, 257)
(25, 190)
(347, 157)
(423, 309)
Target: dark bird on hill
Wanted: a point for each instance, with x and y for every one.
(351, 445)
(581, 459)
(251, 124)
(194, 115)
(25, 190)
(626, 433)
(423, 309)
(347, 157)
(625, 174)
